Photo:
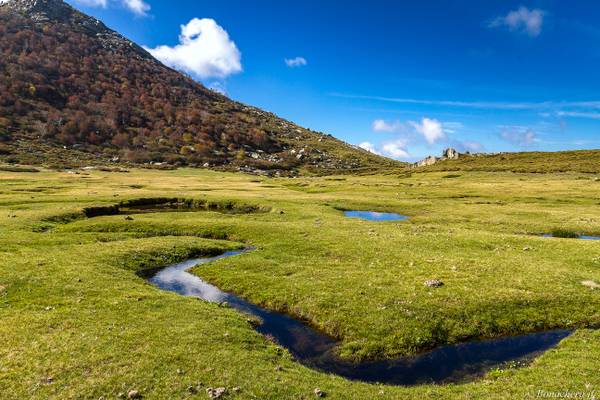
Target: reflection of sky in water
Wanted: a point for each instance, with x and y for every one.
(583, 237)
(175, 278)
(375, 216)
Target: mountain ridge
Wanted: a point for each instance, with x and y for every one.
(58, 10)
(76, 92)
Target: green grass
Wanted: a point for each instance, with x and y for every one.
(72, 307)
(17, 168)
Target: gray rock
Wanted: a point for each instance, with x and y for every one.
(216, 393)
(319, 393)
(434, 283)
(450, 154)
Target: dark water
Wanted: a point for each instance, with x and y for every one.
(453, 363)
(582, 237)
(375, 216)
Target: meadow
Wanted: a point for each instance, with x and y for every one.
(77, 322)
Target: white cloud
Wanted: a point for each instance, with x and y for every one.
(369, 147)
(474, 104)
(521, 20)
(380, 125)
(295, 62)
(431, 129)
(577, 114)
(204, 50)
(395, 149)
(138, 7)
(519, 135)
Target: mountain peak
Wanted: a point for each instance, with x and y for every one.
(49, 11)
(46, 9)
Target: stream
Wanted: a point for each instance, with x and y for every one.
(447, 364)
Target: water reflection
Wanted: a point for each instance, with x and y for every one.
(582, 237)
(375, 216)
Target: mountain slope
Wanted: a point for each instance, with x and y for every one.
(73, 91)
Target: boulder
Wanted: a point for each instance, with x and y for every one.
(216, 393)
(434, 283)
(450, 154)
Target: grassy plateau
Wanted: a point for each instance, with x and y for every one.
(76, 322)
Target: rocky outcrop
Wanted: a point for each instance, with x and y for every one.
(448, 154)
(426, 161)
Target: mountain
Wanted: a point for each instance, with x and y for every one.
(74, 92)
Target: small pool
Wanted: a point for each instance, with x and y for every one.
(582, 237)
(375, 216)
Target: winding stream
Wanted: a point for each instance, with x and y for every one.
(453, 363)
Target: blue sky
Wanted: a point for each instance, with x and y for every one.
(404, 79)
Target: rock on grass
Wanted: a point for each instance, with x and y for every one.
(216, 393)
(434, 283)
(591, 284)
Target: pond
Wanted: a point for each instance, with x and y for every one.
(375, 216)
(447, 364)
(581, 237)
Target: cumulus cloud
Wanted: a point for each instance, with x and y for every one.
(521, 20)
(428, 130)
(395, 149)
(295, 62)
(519, 135)
(431, 129)
(369, 147)
(204, 50)
(380, 125)
(138, 7)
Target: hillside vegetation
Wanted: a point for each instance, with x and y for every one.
(73, 92)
